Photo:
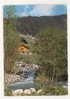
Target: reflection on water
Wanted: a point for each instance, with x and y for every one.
(28, 82)
(25, 83)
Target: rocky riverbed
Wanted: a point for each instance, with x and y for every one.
(26, 91)
(26, 71)
(22, 82)
(11, 78)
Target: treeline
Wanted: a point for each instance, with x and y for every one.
(11, 40)
(33, 25)
(49, 50)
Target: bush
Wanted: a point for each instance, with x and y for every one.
(54, 90)
(11, 40)
(8, 92)
(51, 49)
(41, 78)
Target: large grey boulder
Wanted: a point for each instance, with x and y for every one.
(33, 90)
(17, 92)
(27, 91)
(39, 91)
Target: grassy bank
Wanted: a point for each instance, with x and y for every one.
(50, 90)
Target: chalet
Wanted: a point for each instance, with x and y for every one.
(23, 48)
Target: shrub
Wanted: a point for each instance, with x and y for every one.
(11, 40)
(54, 90)
(8, 92)
(51, 49)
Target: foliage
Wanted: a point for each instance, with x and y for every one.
(11, 41)
(54, 90)
(50, 90)
(29, 59)
(8, 92)
(41, 78)
(51, 49)
(9, 11)
(33, 25)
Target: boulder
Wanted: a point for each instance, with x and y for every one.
(17, 92)
(33, 90)
(39, 91)
(11, 78)
(27, 91)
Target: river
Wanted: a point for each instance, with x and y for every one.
(27, 81)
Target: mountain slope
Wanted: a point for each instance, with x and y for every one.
(32, 25)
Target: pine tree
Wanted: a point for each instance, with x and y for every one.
(11, 38)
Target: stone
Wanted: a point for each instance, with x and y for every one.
(27, 91)
(30, 53)
(39, 91)
(33, 90)
(35, 66)
(17, 92)
(11, 78)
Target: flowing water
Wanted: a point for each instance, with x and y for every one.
(26, 82)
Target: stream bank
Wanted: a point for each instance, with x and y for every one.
(22, 83)
(26, 72)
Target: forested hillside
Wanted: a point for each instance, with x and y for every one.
(50, 45)
(33, 25)
(46, 40)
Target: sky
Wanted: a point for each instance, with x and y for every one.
(40, 10)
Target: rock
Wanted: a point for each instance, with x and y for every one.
(27, 91)
(33, 90)
(11, 78)
(17, 92)
(30, 53)
(39, 91)
(35, 67)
